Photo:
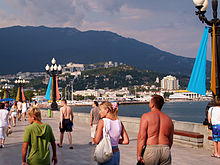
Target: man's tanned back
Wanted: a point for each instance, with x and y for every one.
(160, 128)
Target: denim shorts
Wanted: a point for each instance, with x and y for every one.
(115, 159)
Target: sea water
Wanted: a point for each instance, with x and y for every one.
(180, 111)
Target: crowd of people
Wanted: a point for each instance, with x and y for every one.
(154, 140)
(8, 117)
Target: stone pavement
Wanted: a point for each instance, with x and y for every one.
(82, 154)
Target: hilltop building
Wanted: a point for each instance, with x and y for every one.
(157, 80)
(169, 83)
(111, 64)
(73, 69)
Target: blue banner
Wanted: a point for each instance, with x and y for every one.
(48, 93)
(197, 82)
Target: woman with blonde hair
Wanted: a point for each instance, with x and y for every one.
(114, 128)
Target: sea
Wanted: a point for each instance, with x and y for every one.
(180, 111)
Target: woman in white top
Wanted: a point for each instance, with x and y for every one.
(13, 112)
(3, 124)
(115, 129)
(24, 110)
(214, 118)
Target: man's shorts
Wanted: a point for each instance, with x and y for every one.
(14, 114)
(67, 125)
(216, 133)
(93, 130)
(157, 154)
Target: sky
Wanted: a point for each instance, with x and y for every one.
(168, 25)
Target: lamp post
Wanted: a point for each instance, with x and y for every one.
(201, 6)
(20, 83)
(53, 71)
(5, 88)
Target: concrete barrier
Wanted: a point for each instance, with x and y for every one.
(132, 125)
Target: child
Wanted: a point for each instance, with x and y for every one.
(37, 136)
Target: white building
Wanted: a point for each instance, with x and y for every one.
(88, 92)
(157, 80)
(73, 69)
(187, 95)
(169, 83)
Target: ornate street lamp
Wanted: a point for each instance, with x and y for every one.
(202, 5)
(6, 93)
(53, 71)
(20, 83)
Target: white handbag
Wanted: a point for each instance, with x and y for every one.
(103, 151)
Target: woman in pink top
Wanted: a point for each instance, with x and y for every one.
(115, 129)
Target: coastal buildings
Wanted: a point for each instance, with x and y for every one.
(169, 83)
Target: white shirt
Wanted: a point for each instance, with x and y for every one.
(24, 107)
(214, 113)
(3, 117)
(19, 104)
(114, 129)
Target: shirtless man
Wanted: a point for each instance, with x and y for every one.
(66, 122)
(156, 132)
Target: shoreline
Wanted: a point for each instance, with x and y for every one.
(86, 103)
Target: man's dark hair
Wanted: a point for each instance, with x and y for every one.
(2, 105)
(64, 100)
(158, 101)
(96, 103)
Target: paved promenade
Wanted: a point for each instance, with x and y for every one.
(82, 154)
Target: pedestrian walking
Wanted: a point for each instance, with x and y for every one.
(156, 133)
(115, 130)
(19, 104)
(66, 123)
(24, 110)
(3, 124)
(214, 119)
(94, 119)
(37, 137)
(13, 112)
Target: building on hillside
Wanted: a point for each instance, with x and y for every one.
(108, 64)
(73, 69)
(169, 83)
(157, 80)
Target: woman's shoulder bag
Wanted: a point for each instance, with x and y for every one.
(103, 151)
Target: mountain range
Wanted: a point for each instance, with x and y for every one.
(28, 48)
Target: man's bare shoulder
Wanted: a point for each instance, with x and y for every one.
(61, 109)
(145, 116)
(68, 107)
(150, 115)
(165, 116)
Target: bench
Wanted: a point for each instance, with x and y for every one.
(187, 138)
